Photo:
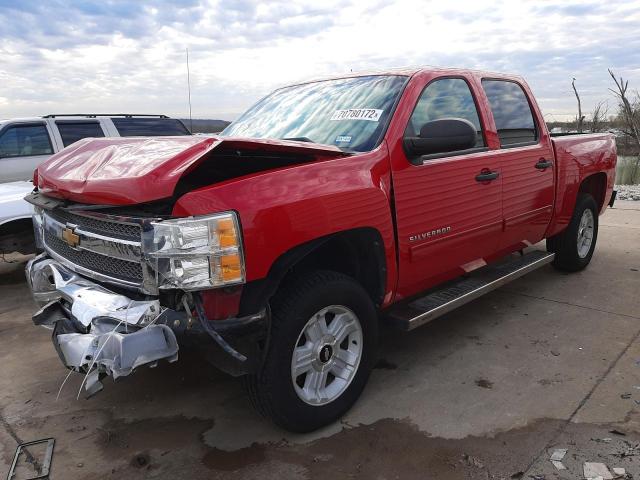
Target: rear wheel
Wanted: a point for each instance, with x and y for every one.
(322, 348)
(575, 245)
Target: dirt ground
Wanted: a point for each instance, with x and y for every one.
(488, 391)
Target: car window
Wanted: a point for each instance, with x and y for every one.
(25, 141)
(71, 132)
(350, 113)
(445, 98)
(149, 127)
(511, 112)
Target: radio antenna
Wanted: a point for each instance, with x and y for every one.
(189, 90)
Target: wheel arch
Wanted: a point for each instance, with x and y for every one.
(596, 186)
(358, 253)
(16, 234)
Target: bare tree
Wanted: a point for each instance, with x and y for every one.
(580, 119)
(630, 114)
(599, 117)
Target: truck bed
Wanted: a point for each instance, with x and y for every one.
(578, 156)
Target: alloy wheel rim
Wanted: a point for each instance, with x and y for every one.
(585, 233)
(326, 355)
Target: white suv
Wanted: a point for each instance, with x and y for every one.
(27, 142)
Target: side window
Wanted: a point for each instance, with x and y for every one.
(71, 132)
(445, 98)
(511, 112)
(149, 127)
(25, 141)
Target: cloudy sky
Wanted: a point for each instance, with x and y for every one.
(129, 56)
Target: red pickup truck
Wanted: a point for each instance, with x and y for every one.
(279, 246)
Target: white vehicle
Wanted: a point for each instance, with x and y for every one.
(16, 230)
(27, 142)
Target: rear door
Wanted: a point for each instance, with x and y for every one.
(448, 219)
(526, 162)
(23, 146)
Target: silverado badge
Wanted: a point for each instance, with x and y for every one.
(432, 233)
(71, 237)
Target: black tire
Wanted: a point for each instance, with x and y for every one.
(272, 390)
(565, 244)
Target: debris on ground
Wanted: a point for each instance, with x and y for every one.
(593, 471)
(484, 383)
(25, 460)
(631, 450)
(556, 458)
(472, 461)
(601, 440)
(619, 472)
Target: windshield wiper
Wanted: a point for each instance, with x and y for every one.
(299, 139)
(308, 140)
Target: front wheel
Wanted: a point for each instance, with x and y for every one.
(321, 351)
(575, 245)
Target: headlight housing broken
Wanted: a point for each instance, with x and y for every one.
(197, 252)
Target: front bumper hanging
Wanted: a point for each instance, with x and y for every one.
(99, 332)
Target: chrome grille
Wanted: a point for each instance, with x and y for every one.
(101, 264)
(104, 249)
(123, 231)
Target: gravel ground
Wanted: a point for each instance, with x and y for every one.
(628, 192)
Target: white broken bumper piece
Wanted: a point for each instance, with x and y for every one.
(96, 331)
(117, 352)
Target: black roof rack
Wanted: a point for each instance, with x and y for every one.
(94, 115)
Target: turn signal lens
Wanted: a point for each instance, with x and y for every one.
(231, 268)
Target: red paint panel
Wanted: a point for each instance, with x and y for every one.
(444, 193)
(281, 209)
(221, 303)
(578, 157)
(527, 195)
(126, 171)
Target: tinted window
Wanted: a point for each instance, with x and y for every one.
(25, 141)
(511, 112)
(149, 127)
(350, 113)
(446, 98)
(71, 132)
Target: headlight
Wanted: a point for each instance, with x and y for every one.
(38, 227)
(195, 253)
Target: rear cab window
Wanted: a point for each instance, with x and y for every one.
(27, 140)
(71, 130)
(511, 112)
(149, 127)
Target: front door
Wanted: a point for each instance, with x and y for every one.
(448, 205)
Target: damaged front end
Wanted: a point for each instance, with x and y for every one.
(97, 331)
(122, 292)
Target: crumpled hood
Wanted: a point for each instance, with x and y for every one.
(126, 171)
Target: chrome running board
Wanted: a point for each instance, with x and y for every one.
(418, 311)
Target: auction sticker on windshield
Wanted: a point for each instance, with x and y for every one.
(370, 114)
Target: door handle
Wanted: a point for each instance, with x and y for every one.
(487, 176)
(543, 164)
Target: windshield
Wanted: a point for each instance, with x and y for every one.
(350, 113)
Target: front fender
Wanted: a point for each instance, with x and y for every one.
(284, 208)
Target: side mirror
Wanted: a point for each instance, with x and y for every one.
(441, 136)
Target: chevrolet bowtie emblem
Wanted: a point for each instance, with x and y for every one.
(69, 236)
